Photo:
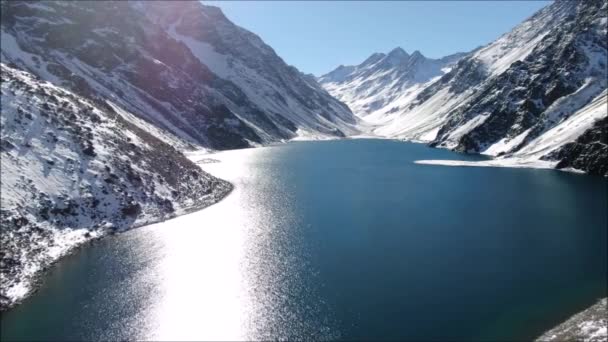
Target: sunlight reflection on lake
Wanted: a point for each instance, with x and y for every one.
(217, 268)
(340, 239)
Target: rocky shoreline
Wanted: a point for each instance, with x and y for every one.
(590, 325)
(76, 169)
(26, 283)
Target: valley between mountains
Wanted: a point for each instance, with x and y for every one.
(101, 100)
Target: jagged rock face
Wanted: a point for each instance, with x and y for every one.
(564, 71)
(384, 83)
(588, 153)
(72, 169)
(179, 64)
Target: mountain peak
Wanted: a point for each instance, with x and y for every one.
(373, 58)
(397, 52)
(417, 54)
(397, 56)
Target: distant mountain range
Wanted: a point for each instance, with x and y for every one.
(535, 95)
(378, 88)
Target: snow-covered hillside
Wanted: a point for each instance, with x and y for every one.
(379, 88)
(180, 65)
(535, 96)
(590, 325)
(74, 169)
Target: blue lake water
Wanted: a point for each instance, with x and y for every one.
(345, 240)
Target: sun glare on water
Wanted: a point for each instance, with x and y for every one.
(208, 283)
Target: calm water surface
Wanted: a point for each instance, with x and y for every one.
(341, 240)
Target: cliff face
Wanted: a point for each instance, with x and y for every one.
(588, 152)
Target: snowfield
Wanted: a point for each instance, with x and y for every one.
(378, 89)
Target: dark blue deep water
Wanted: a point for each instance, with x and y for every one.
(341, 240)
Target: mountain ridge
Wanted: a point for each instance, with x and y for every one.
(523, 97)
(375, 87)
(181, 65)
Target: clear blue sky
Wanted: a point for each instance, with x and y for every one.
(317, 36)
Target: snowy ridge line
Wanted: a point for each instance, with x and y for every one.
(381, 86)
(536, 96)
(180, 65)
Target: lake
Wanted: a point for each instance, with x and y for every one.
(344, 239)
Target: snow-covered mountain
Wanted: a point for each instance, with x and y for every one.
(384, 84)
(540, 91)
(180, 65)
(100, 99)
(74, 169)
(535, 95)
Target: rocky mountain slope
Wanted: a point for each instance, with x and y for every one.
(535, 96)
(383, 84)
(180, 65)
(74, 169)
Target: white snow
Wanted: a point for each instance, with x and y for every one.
(505, 162)
(530, 156)
(430, 135)
(568, 130)
(517, 44)
(505, 145)
(43, 168)
(467, 127)
(383, 85)
(422, 120)
(593, 329)
(260, 89)
(589, 325)
(305, 135)
(389, 105)
(206, 54)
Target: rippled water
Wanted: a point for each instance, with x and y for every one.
(341, 240)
